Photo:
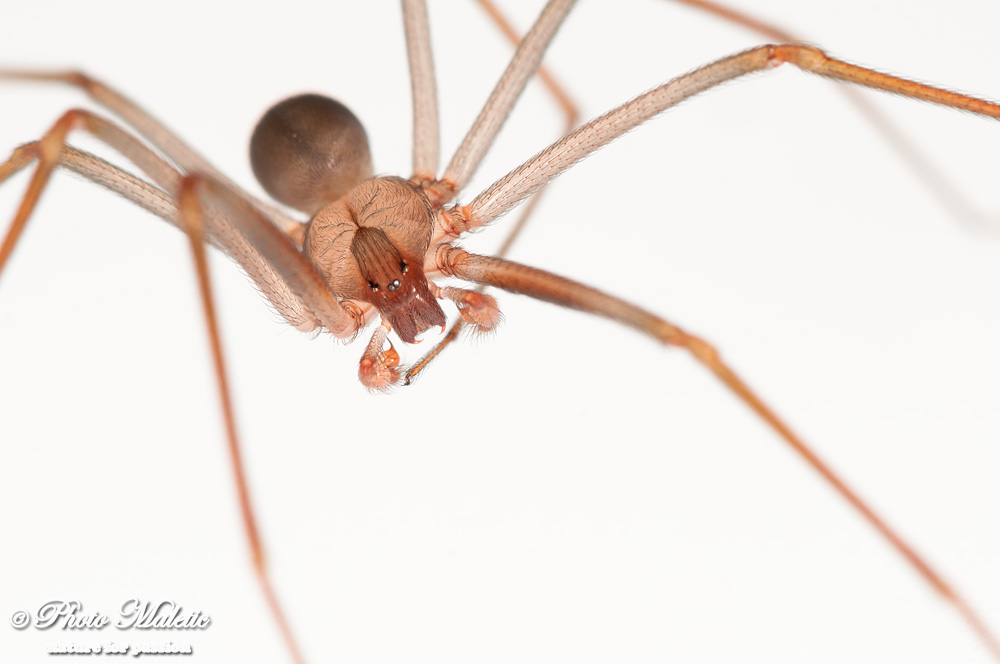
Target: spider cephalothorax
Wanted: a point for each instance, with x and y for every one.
(370, 246)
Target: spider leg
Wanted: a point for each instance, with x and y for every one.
(505, 194)
(426, 143)
(192, 216)
(571, 114)
(934, 178)
(228, 210)
(525, 62)
(148, 127)
(548, 287)
(47, 151)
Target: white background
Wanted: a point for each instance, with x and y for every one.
(564, 490)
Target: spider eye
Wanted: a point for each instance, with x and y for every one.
(394, 284)
(403, 267)
(374, 286)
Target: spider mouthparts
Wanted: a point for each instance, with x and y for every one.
(415, 315)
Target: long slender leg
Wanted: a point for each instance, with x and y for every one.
(341, 320)
(542, 285)
(529, 54)
(566, 104)
(192, 217)
(924, 168)
(265, 253)
(426, 143)
(221, 232)
(158, 202)
(47, 152)
(571, 114)
(506, 193)
(150, 198)
(739, 18)
(155, 200)
(51, 152)
(149, 127)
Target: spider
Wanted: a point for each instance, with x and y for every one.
(357, 485)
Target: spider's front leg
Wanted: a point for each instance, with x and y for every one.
(548, 287)
(205, 209)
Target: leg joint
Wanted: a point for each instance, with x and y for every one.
(804, 57)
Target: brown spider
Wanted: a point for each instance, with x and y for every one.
(559, 355)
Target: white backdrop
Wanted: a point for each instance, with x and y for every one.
(564, 490)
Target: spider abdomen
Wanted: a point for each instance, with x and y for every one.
(308, 151)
